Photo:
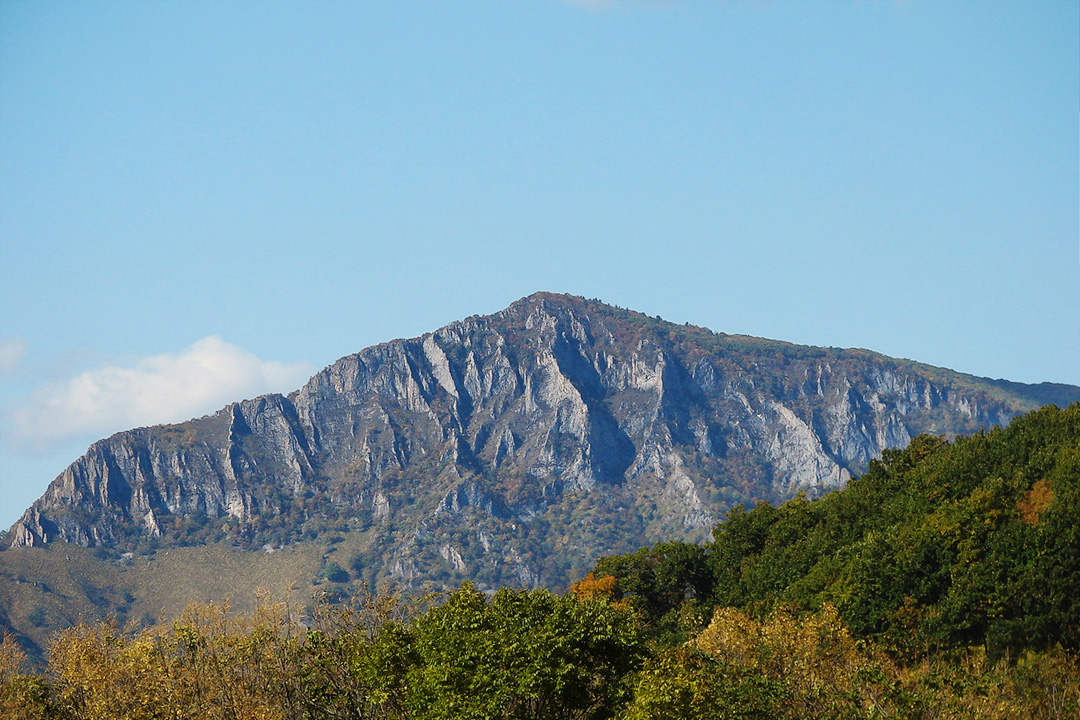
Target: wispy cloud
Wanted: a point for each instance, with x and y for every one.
(159, 389)
(12, 352)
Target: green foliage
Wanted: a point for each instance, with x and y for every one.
(683, 682)
(664, 582)
(522, 655)
(518, 655)
(938, 546)
(333, 572)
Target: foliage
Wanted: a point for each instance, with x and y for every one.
(334, 572)
(208, 664)
(515, 655)
(818, 667)
(939, 546)
(665, 582)
(590, 586)
(522, 655)
(683, 682)
(519, 655)
(22, 695)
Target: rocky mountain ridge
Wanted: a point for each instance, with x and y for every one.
(515, 448)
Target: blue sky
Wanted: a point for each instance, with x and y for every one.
(204, 201)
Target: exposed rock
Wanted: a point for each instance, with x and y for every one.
(557, 428)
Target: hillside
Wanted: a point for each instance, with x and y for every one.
(508, 450)
(937, 547)
(942, 583)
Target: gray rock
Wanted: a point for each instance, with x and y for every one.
(520, 446)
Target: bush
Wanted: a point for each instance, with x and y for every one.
(334, 573)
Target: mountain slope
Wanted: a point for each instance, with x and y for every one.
(514, 448)
(937, 547)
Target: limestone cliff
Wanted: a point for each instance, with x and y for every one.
(515, 448)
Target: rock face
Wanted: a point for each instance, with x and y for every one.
(517, 447)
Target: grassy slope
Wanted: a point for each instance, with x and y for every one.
(43, 590)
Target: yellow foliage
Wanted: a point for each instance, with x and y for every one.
(1037, 499)
(207, 665)
(22, 696)
(1039, 686)
(214, 665)
(813, 656)
(12, 659)
(593, 587)
(826, 673)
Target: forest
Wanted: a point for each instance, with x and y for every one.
(942, 583)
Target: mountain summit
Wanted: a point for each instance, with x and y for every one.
(515, 448)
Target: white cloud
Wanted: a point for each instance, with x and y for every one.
(159, 389)
(12, 352)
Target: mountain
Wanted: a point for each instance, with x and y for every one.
(944, 582)
(508, 449)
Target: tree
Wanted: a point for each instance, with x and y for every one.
(528, 654)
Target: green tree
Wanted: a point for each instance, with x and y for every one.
(665, 582)
(685, 683)
(523, 655)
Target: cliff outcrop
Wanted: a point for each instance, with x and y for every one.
(515, 448)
